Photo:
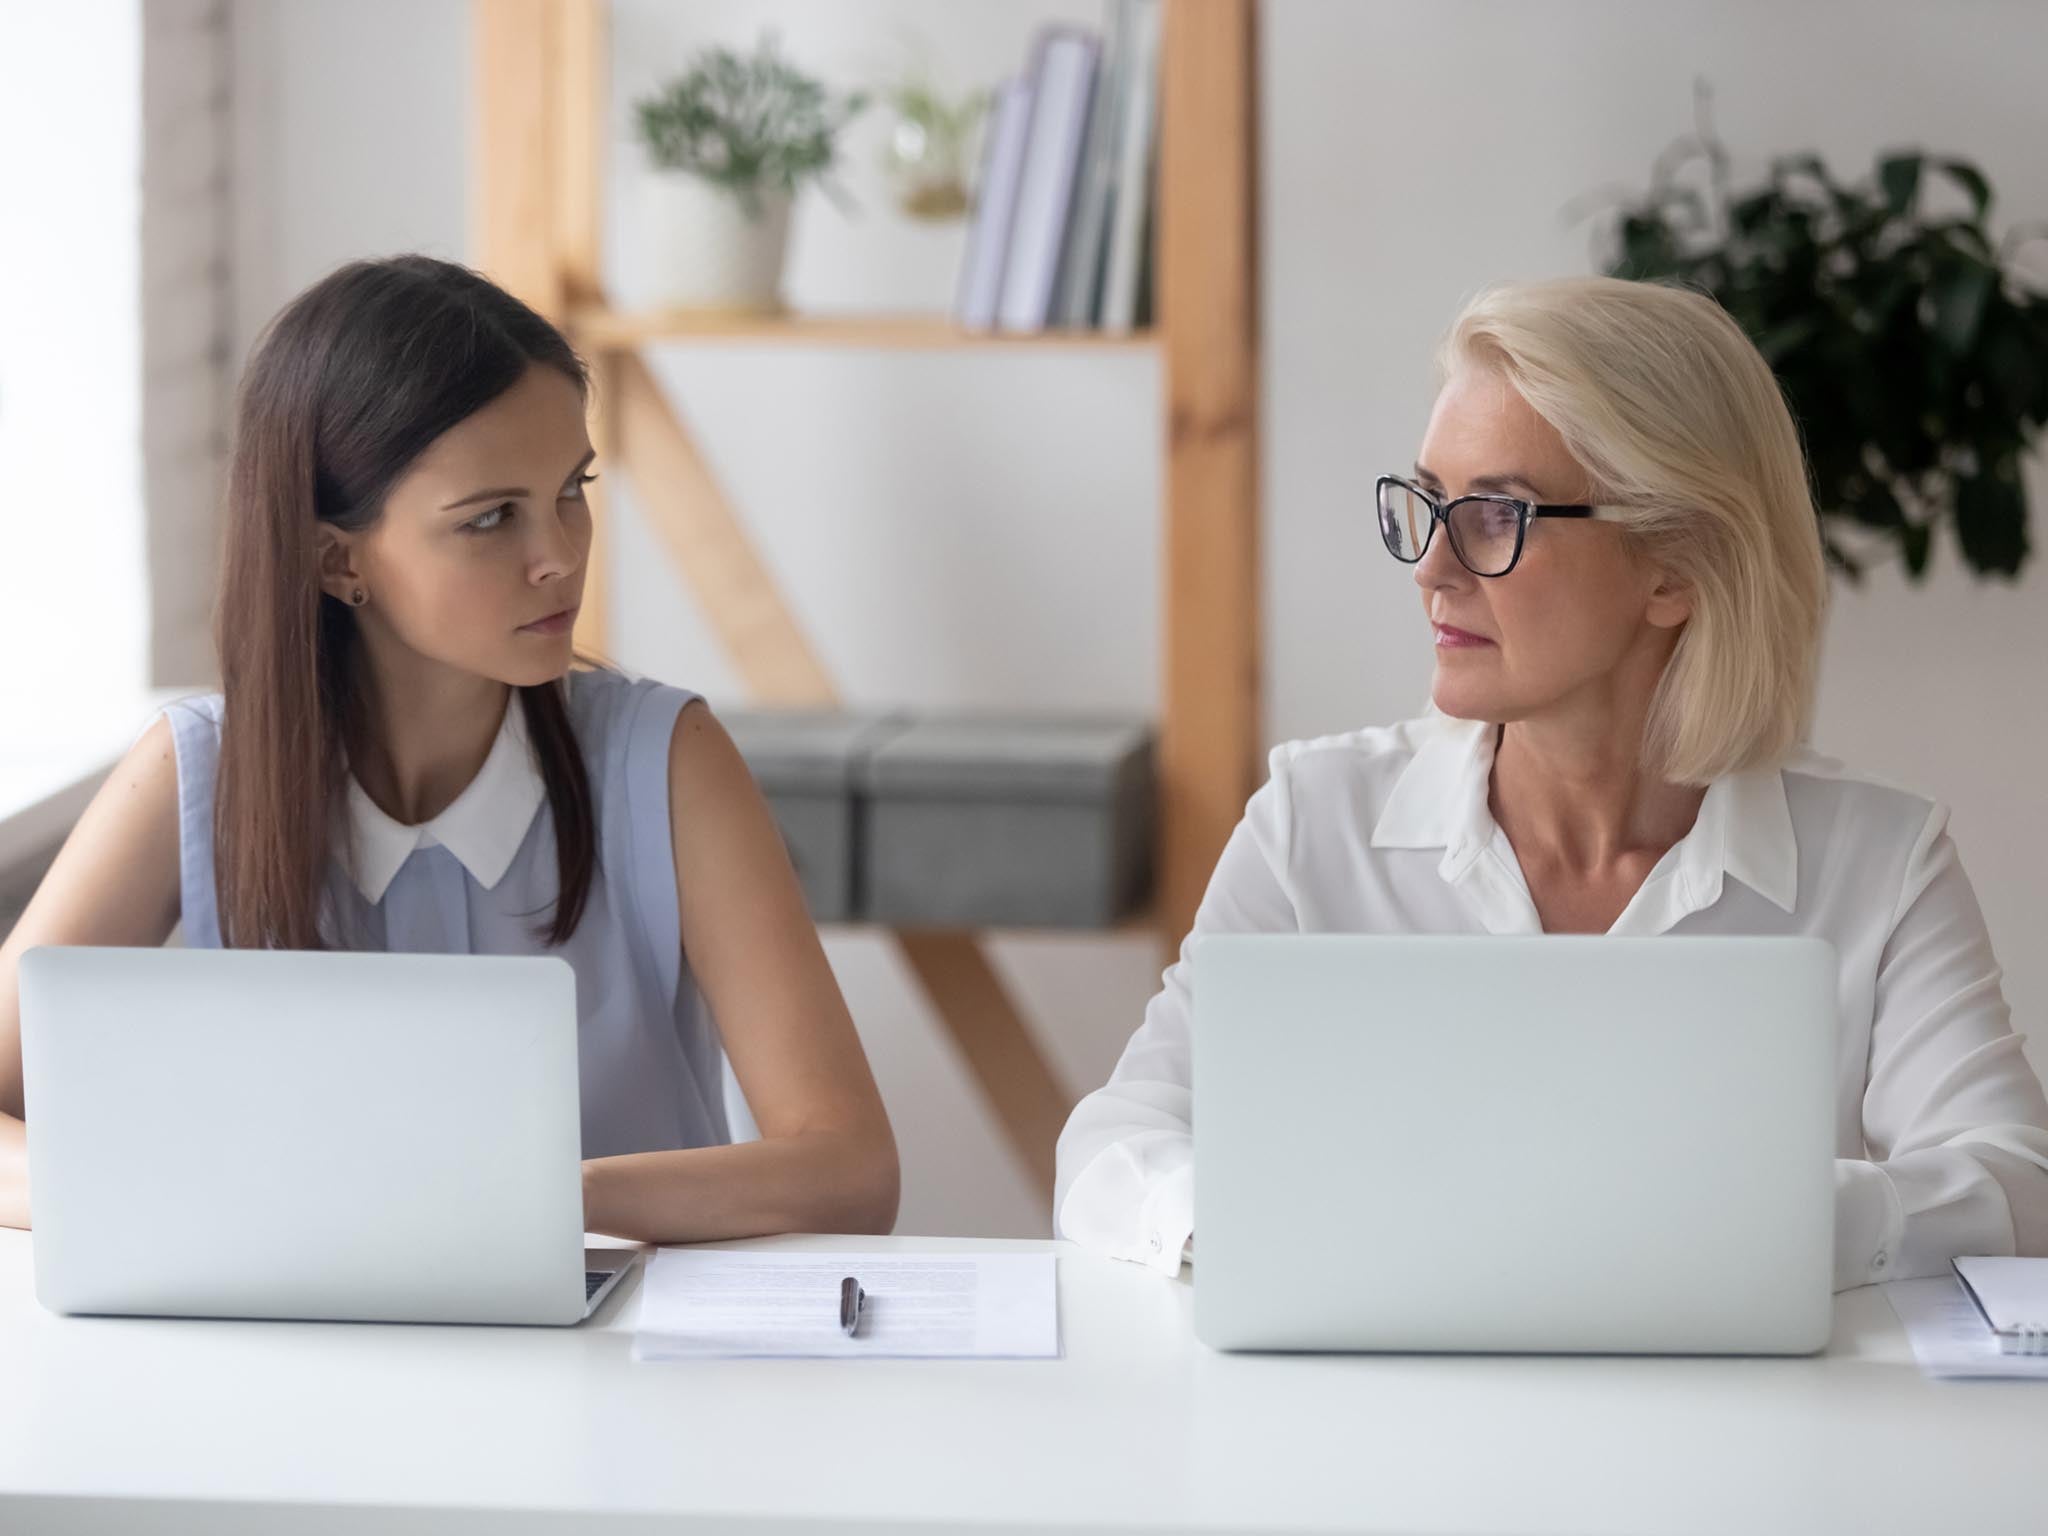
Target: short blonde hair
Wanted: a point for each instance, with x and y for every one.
(1659, 395)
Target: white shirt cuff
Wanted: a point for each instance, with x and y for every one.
(1167, 1222)
(1869, 1222)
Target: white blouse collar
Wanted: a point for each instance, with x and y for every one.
(483, 827)
(1744, 826)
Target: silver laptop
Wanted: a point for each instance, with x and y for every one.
(360, 1137)
(1599, 1145)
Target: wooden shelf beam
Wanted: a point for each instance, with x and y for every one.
(1207, 285)
(598, 328)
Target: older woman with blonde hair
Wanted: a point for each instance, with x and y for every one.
(1611, 531)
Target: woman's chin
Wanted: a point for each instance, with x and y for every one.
(530, 671)
(1458, 698)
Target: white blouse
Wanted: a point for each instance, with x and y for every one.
(1941, 1125)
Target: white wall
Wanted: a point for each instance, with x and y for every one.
(980, 527)
(71, 368)
(351, 138)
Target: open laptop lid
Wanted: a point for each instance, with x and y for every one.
(1496, 1143)
(254, 1133)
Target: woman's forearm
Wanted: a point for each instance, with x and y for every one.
(826, 1181)
(13, 1172)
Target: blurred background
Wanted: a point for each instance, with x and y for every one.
(964, 526)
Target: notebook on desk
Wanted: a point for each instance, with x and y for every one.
(2013, 1296)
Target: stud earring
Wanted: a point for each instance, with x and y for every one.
(358, 598)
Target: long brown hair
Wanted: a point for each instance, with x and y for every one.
(348, 386)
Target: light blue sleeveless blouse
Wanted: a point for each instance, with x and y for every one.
(651, 1070)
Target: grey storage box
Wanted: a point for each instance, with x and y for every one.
(807, 764)
(1001, 822)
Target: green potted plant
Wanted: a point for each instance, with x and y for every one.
(1912, 350)
(928, 159)
(730, 142)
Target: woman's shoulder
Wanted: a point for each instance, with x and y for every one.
(1339, 790)
(194, 726)
(1832, 802)
(193, 709)
(625, 725)
(1373, 757)
(607, 701)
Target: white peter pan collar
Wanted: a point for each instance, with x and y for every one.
(1744, 827)
(483, 827)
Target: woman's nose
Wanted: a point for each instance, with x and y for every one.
(555, 552)
(1439, 566)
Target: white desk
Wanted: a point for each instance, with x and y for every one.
(233, 1428)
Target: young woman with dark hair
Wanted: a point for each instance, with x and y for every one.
(406, 754)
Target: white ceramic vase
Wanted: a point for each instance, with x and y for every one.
(703, 249)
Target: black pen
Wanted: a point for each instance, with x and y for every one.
(851, 1299)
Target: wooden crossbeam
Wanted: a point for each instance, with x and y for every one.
(712, 551)
(1015, 1078)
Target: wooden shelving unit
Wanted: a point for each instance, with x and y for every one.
(606, 329)
(541, 86)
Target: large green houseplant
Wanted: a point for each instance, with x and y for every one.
(1913, 353)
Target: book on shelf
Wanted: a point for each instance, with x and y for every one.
(1062, 216)
(1062, 89)
(988, 231)
(1126, 258)
(1081, 260)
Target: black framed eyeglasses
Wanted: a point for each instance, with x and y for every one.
(1487, 531)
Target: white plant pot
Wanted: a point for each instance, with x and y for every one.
(703, 250)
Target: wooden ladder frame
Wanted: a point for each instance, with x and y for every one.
(541, 163)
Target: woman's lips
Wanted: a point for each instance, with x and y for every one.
(553, 624)
(1451, 638)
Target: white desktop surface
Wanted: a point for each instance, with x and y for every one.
(145, 1426)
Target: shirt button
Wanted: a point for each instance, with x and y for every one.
(1881, 1260)
(1157, 1243)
